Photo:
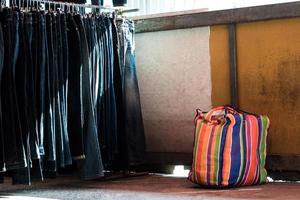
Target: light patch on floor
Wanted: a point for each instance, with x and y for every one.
(179, 171)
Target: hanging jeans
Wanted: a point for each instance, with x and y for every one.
(121, 160)
(68, 90)
(49, 131)
(22, 175)
(2, 158)
(64, 147)
(75, 110)
(134, 128)
(108, 99)
(91, 167)
(34, 70)
(13, 143)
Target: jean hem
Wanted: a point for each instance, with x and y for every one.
(15, 166)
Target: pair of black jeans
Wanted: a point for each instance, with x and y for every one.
(12, 134)
(62, 147)
(2, 158)
(62, 77)
(74, 108)
(22, 175)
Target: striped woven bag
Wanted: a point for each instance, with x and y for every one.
(229, 148)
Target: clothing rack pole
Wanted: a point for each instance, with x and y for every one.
(74, 4)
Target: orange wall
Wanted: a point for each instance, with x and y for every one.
(268, 62)
(219, 60)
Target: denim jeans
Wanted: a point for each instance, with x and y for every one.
(49, 131)
(75, 110)
(134, 128)
(32, 75)
(56, 93)
(50, 113)
(38, 60)
(41, 79)
(91, 167)
(2, 158)
(60, 117)
(22, 175)
(121, 161)
(108, 109)
(63, 82)
(100, 103)
(13, 144)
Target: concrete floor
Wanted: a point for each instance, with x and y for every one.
(144, 187)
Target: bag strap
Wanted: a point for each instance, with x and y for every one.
(226, 109)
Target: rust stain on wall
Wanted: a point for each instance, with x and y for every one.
(268, 61)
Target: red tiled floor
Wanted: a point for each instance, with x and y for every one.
(154, 185)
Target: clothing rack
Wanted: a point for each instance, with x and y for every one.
(72, 5)
(30, 2)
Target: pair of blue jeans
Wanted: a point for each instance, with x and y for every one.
(133, 120)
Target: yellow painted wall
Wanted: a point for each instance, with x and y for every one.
(219, 59)
(268, 61)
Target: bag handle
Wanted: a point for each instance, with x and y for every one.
(226, 108)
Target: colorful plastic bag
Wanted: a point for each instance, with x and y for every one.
(229, 148)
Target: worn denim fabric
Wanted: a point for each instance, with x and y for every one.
(63, 82)
(91, 167)
(27, 35)
(41, 79)
(56, 95)
(60, 92)
(2, 158)
(38, 60)
(52, 114)
(96, 61)
(108, 100)
(121, 160)
(99, 110)
(32, 73)
(134, 128)
(16, 110)
(49, 131)
(13, 144)
(75, 110)
(22, 175)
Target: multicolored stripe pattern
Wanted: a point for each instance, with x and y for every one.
(229, 150)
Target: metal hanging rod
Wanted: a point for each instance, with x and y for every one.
(119, 10)
(73, 4)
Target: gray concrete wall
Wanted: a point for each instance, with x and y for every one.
(174, 78)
